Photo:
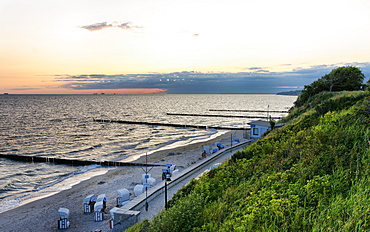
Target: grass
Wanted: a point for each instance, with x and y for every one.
(310, 175)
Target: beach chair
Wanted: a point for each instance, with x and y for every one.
(98, 211)
(175, 172)
(101, 198)
(207, 149)
(151, 182)
(144, 177)
(204, 153)
(172, 168)
(123, 197)
(89, 202)
(166, 173)
(63, 222)
(138, 189)
(220, 146)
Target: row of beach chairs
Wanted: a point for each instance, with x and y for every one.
(207, 150)
(97, 204)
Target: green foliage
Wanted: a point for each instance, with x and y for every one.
(343, 78)
(310, 175)
(140, 227)
(184, 216)
(182, 193)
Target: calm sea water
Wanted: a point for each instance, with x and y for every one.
(62, 126)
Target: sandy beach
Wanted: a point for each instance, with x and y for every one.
(42, 215)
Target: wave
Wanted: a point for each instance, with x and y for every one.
(83, 169)
(13, 202)
(86, 149)
(181, 142)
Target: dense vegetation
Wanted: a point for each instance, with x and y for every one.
(343, 78)
(310, 175)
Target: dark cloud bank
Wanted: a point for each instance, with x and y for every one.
(254, 80)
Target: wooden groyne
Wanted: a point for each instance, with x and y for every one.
(171, 124)
(222, 116)
(39, 159)
(253, 111)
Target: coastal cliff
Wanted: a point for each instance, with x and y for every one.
(310, 175)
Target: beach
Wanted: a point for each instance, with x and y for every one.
(42, 214)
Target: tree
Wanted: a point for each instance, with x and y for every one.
(343, 78)
(310, 90)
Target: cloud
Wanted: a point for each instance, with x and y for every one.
(258, 81)
(253, 68)
(97, 26)
(257, 69)
(104, 25)
(25, 88)
(127, 26)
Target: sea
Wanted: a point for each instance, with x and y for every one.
(64, 126)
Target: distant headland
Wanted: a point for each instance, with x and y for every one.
(292, 93)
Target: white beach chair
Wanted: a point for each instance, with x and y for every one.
(175, 172)
(207, 149)
(138, 189)
(151, 182)
(144, 177)
(98, 211)
(123, 197)
(63, 222)
(103, 199)
(172, 168)
(89, 202)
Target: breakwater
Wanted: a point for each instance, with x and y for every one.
(253, 111)
(70, 161)
(170, 124)
(222, 116)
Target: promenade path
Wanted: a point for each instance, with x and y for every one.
(156, 195)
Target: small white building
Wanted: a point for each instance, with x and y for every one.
(259, 127)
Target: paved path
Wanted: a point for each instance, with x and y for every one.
(157, 204)
(156, 197)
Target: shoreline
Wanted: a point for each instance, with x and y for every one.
(41, 214)
(75, 178)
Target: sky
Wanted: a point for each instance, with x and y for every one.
(178, 46)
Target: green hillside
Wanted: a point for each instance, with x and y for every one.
(310, 175)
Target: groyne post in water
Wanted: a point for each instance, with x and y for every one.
(25, 158)
(172, 125)
(220, 116)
